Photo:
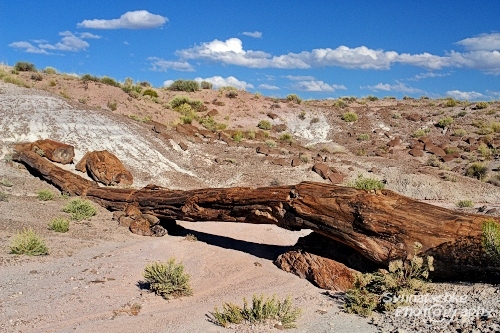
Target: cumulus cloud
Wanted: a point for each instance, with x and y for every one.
(167, 83)
(68, 42)
(486, 61)
(161, 65)
(428, 75)
(219, 81)
(140, 19)
(255, 34)
(317, 86)
(267, 87)
(469, 95)
(398, 87)
(484, 42)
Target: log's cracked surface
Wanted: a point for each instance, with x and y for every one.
(381, 225)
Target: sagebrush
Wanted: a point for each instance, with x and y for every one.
(80, 209)
(59, 224)
(28, 242)
(168, 279)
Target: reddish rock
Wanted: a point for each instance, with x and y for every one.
(424, 139)
(262, 150)
(125, 221)
(117, 214)
(212, 113)
(186, 129)
(105, 167)
(414, 117)
(54, 151)
(394, 142)
(153, 220)
(280, 161)
(323, 272)
(321, 169)
(336, 177)
(272, 115)
(455, 138)
(429, 146)
(141, 227)
(437, 151)
(280, 128)
(296, 162)
(183, 146)
(158, 127)
(416, 152)
(448, 158)
(417, 145)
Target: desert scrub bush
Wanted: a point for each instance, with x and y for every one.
(477, 170)
(465, 204)
(363, 137)
(484, 151)
(168, 279)
(49, 70)
(112, 105)
(302, 115)
(178, 101)
(264, 125)
(445, 122)
(372, 98)
(59, 224)
(396, 115)
(286, 137)
(28, 242)
(232, 94)
(367, 183)
(386, 290)
(250, 134)
(314, 120)
(144, 119)
(80, 209)
(237, 136)
(450, 102)
(206, 85)
(294, 98)
(433, 161)
(24, 66)
(5, 182)
(420, 132)
(262, 309)
(150, 92)
(491, 240)
(36, 77)
(271, 143)
(184, 85)
(190, 238)
(45, 195)
(3, 196)
(349, 117)
(460, 132)
(481, 105)
(110, 81)
(339, 103)
(16, 81)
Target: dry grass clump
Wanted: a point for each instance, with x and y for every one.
(80, 209)
(168, 279)
(5, 182)
(367, 183)
(294, 98)
(28, 242)
(445, 122)
(477, 170)
(465, 203)
(45, 195)
(491, 240)
(262, 309)
(386, 290)
(349, 117)
(59, 224)
(265, 125)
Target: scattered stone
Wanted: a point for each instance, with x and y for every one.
(296, 162)
(394, 142)
(280, 128)
(321, 169)
(125, 221)
(117, 214)
(272, 115)
(153, 220)
(141, 226)
(448, 158)
(183, 146)
(336, 177)
(436, 151)
(416, 152)
(212, 113)
(491, 211)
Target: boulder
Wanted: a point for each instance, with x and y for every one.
(54, 151)
(183, 146)
(296, 162)
(141, 227)
(272, 115)
(394, 142)
(105, 167)
(212, 113)
(436, 151)
(321, 169)
(416, 152)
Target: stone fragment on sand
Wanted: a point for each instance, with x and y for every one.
(416, 152)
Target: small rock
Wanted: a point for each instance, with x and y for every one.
(183, 146)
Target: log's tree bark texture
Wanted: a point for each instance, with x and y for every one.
(381, 226)
(54, 151)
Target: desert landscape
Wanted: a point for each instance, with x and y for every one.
(442, 152)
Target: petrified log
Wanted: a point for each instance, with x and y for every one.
(380, 225)
(105, 167)
(54, 151)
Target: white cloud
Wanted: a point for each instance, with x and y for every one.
(161, 65)
(317, 86)
(428, 75)
(168, 83)
(299, 77)
(255, 34)
(486, 61)
(267, 87)
(425, 60)
(69, 42)
(89, 35)
(219, 81)
(398, 87)
(494, 93)
(140, 19)
(469, 95)
(483, 42)
(28, 47)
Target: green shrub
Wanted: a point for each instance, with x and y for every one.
(88, 77)
(168, 279)
(491, 240)
(450, 102)
(484, 151)
(366, 183)
(261, 310)
(206, 85)
(462, 114)
(339, 103)
(363, 137)
(372, 98)
(294, 98)
(237, 136)
(23, 66)
(286, 137)
(251, 134)
(178, 101)
(271, 143)
(50, 70)
(59, 224)
(45, 195)
(386, 290)
(4, 197)
(465, 204)
(460, 132)
(110, 81)
(5, 182)
(481, 105)
(112, 105)
(184, 85)
(420, 132)
(445, 122)
(16, 81)
(36, 77)
(150, 92)
(265, 125)
(80, 209)
(28, 242)
(477, 170)
(349, 117)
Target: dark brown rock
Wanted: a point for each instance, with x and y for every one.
(141, 227)
(429, 146)
(281, 161)
(321, 169)
(414, 117)
(183, 146)
(212, 113)
(424, 139)
(416, 152)
(117, 214)
(186, 129)
(153, 220)
(336, 177)
(105, 167)
(54, 151)
(125, 221)
(296, 162)
(272, 115)
(437, 151)
(394, 142)
(448, 158)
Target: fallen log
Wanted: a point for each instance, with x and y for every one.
(54, 151)
(380, 225)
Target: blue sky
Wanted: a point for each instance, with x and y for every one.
(316, 49)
